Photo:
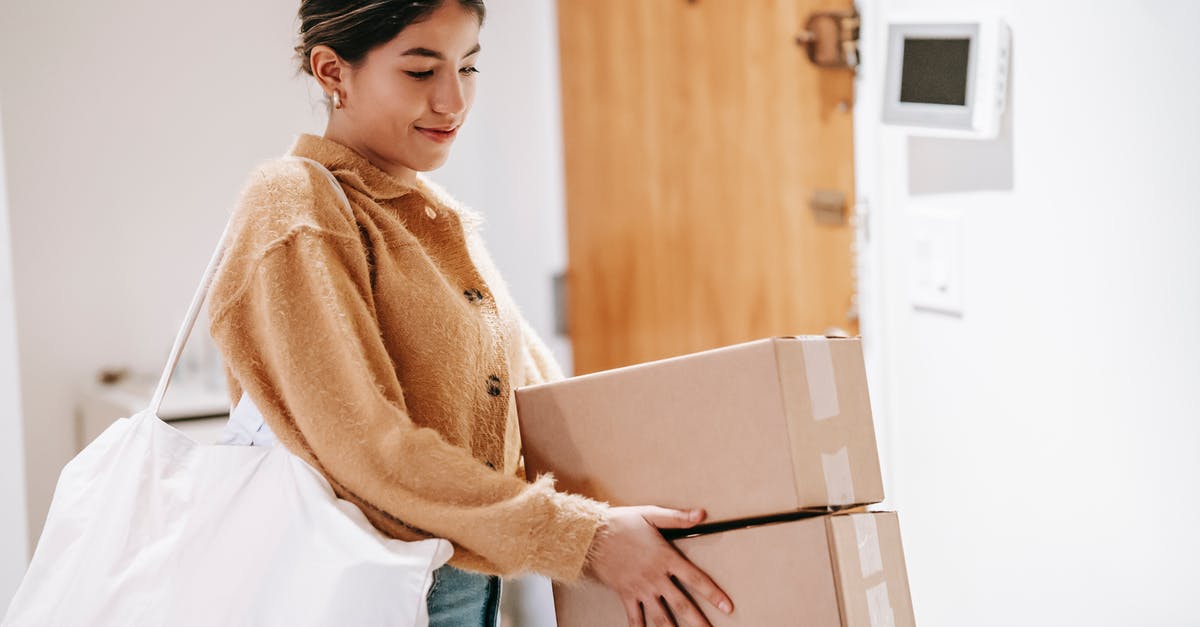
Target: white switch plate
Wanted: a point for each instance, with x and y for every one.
(935, 269)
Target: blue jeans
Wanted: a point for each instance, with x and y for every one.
(459, 598)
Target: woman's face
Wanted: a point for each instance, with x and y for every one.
(405, 102)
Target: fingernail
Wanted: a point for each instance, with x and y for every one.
(695, 515)
(725, 607)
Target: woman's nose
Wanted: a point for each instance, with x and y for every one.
(449, 97)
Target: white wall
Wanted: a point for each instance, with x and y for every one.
(1043, 448)
(13, 533)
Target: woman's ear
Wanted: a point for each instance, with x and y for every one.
(327, 68)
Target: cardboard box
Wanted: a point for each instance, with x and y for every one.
(775, 425)
(834, 570)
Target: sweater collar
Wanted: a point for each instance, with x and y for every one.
(350, 167)
(358, 172)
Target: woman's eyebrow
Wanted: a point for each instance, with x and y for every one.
(434, 54)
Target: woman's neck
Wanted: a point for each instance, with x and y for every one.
(405, 175)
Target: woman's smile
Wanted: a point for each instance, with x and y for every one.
(440, 136)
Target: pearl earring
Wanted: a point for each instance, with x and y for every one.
(337, 99)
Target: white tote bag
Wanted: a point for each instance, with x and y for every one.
(147, 527)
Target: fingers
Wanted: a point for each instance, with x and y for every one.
(643, 566)
(701, 585)
(682, 607)
(664, 518)
(633, 612)
(657, 614)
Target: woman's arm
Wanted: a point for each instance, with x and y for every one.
(300, 334)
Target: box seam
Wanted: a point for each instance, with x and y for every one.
(838, 588)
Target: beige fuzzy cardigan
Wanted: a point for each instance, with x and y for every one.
(384, 352)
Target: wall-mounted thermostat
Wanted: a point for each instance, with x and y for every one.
(947, 78)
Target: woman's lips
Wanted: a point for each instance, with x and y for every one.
(440, 137)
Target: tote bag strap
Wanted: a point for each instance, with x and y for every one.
(193, 313)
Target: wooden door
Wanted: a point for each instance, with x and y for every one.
(696, 133)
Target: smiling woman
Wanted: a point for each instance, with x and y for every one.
(365, 328)
(399, 76)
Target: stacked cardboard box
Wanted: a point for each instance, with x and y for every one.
(774, 438)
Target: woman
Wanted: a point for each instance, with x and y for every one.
(384, 349)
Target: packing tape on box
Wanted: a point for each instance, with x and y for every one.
(879, 606)
(839, 481)
(822, 385)
(866, 532)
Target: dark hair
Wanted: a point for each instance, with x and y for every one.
(354, 28)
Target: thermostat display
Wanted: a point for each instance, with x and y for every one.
(947, 78)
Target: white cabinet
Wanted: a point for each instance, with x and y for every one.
(198, 411)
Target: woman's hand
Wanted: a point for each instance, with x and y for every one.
(630, 556)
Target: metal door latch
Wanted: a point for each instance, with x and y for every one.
(831, 38)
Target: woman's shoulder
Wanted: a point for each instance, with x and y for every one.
(282, 199)
(285, 194)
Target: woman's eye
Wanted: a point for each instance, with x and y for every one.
(467, 71)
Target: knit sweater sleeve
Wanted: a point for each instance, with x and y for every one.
(299, 333)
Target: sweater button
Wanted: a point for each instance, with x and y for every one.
(494, 385)
(473, 295)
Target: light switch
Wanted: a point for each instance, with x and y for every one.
(935, 270)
